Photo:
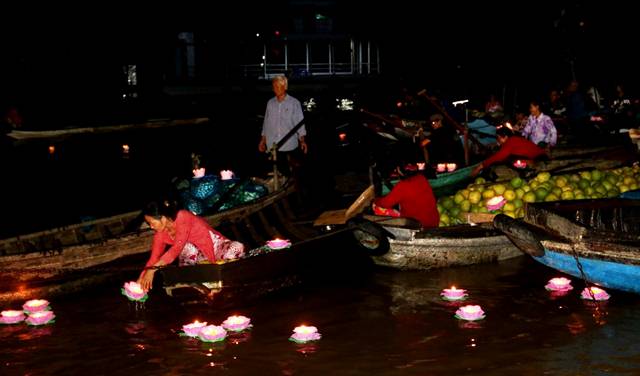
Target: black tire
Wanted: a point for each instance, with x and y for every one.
(370, 237)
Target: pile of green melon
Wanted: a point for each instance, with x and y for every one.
(544, 187)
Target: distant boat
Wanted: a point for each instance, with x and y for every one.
(155, 123)
(600, 236)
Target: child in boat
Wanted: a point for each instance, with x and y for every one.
(190, 238)
(414, 196)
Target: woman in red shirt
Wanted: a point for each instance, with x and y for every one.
(414, 196)
(190, 238)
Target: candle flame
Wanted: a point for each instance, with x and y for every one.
(40, 314)
(11, 313)
(596, 290)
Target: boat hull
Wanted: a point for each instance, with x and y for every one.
(605, 273)
(414, 250)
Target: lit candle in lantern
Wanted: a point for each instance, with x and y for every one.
(519, 164)
(559, 284)
(236, 323)
(35, 305)
(303, 333)
(454, 294)
(11, 317)
(421, 165)
(451, 167)
(226, 174)
(198, 172)
(278, 243)
(594, 293)
(40, 318)
(193, 329)
(343, 137)
(125, 149)
(212, 333)
(134, 292)
(52, 149)
(496, 203)
(470, 313)
(441, 167)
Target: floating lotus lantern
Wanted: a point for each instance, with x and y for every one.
(134, 292)
(441, 167)
(193, 329)
(594, 293)
(125, 149)
(520, 164)
(470, 313)
(35, 305)
(451, 167)
(212, 333)
(198, 172)
(421, 165)
(236, 323)
(40, 318)
(226, 174)
(303, 334)
(496, 203)
(453, 294)
(11, 317)
(559, 284)
(278, 243)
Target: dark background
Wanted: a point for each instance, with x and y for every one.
(65, 61)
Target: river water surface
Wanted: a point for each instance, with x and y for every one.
(380, 323)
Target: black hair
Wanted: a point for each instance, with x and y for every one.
(157, 210)
(534, 103)
(504, 132)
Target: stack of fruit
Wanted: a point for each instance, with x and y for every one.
(544, 187)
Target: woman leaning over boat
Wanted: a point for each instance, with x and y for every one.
(190, 238)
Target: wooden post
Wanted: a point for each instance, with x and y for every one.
(274, 159)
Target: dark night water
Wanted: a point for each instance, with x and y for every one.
(385, 323)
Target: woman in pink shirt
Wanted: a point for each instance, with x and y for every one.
(188, 237)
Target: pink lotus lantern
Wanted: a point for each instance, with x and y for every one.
(496, 203)
(278, 243)
(421, 165)
(559, 284)
(236, 323)
(41, 318)
(193, 329)
(519, 164)
(134, 292)
(594, 293)
(451, 167)
(303, 333)
(35, 305)
(198, 172)
(453, 294)
(441, 167)
(470, 313)
(11, 317)
(212, 333)
(226, 174)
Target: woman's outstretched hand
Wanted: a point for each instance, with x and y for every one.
(146, 279)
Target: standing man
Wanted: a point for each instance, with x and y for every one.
(283, 113)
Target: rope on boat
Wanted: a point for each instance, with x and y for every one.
(599, 314)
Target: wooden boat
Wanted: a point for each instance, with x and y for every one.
(445, 181)
(71, 258)
(407, 246)
(58, 133)
(600, 236)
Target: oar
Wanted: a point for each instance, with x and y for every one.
(341, 216)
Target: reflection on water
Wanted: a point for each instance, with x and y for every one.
(386, 323)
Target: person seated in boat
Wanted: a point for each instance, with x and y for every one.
(413, 195)
(512, 147)
(443, 143)
(189, 238)
(540, 128)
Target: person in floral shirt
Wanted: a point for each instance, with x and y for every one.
(540, 128)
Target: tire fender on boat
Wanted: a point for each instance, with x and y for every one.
(370, 236)
(519, 234)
